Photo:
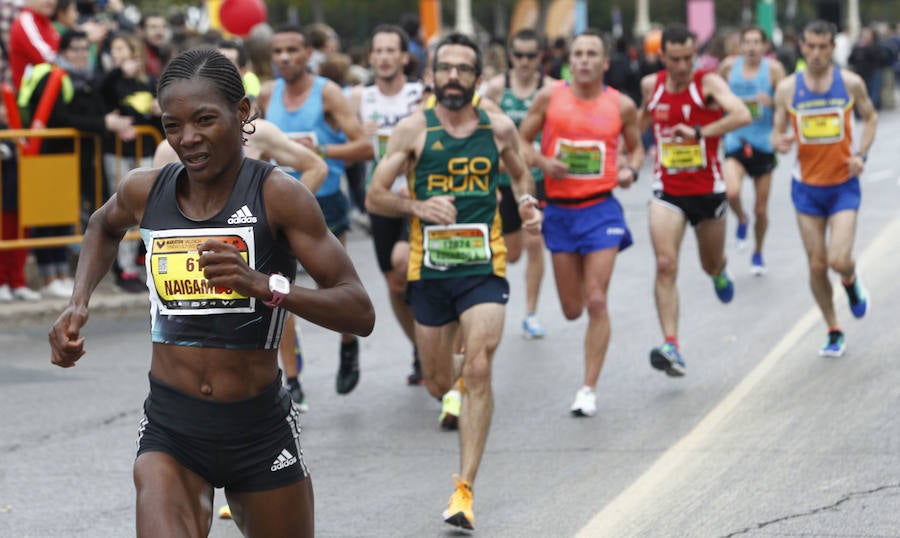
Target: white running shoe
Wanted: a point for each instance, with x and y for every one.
(585, 403)
(5, 294)
(56, 288)
(69, 283)
(26, 294)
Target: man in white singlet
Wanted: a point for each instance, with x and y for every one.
(380, 106)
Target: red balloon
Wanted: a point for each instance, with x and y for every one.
(240, 16)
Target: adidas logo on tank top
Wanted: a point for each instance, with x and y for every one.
(242, 216)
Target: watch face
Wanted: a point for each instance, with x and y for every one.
(279, 283)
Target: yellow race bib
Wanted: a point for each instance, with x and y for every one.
(178, 280)
(676, 156)
(822, 126)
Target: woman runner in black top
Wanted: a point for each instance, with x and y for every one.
(230, 223)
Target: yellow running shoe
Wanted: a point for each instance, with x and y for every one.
(459, 509)
(225, 512)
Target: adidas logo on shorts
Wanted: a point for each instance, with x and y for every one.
(284, 459)
(242, 216)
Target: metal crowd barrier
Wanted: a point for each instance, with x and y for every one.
(49, 186)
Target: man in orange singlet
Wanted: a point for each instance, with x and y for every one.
(584, 226)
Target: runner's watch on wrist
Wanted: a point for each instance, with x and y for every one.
(280, 286)
(863, 156)
(528, 199)
(698, 134)
(634, 172)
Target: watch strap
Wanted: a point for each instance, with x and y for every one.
(277, 297)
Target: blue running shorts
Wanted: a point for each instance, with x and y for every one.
(586, 229)
(439, 301)
(825, 201)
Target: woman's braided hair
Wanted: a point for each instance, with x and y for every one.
(209, 64)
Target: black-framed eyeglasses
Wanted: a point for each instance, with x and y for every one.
(519, 55)
(462, 69)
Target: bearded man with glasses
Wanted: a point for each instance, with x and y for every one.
(450, 155)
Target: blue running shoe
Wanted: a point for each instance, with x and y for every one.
(858, 297)
(757, 265)
(667, 358)
(741, 235)
(724, 286)
(531, 328)
(835, 346)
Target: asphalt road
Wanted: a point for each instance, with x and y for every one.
(761, 438)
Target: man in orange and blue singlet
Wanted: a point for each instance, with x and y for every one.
(580, 122)
(819, 103)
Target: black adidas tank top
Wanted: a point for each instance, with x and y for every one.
(184, 309)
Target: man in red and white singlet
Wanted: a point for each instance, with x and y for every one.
(689, 111)
(584, 225)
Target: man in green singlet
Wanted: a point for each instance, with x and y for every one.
(457, 263)
(514, 91)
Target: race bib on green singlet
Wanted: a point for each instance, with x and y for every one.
(821, 126)
(178, 280)
(456, 244)
(584, 157)
(678, 155)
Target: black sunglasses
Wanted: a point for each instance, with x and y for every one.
(529, 55)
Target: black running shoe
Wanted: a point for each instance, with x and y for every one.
(297, 394)
(415, 377)
(348, 373)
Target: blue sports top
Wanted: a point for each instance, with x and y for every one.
(758, 132)
(309, 118)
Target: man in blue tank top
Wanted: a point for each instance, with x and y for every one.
(748, 150)
(313, 111)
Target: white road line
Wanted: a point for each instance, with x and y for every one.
(623, 515)
(879, 175)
